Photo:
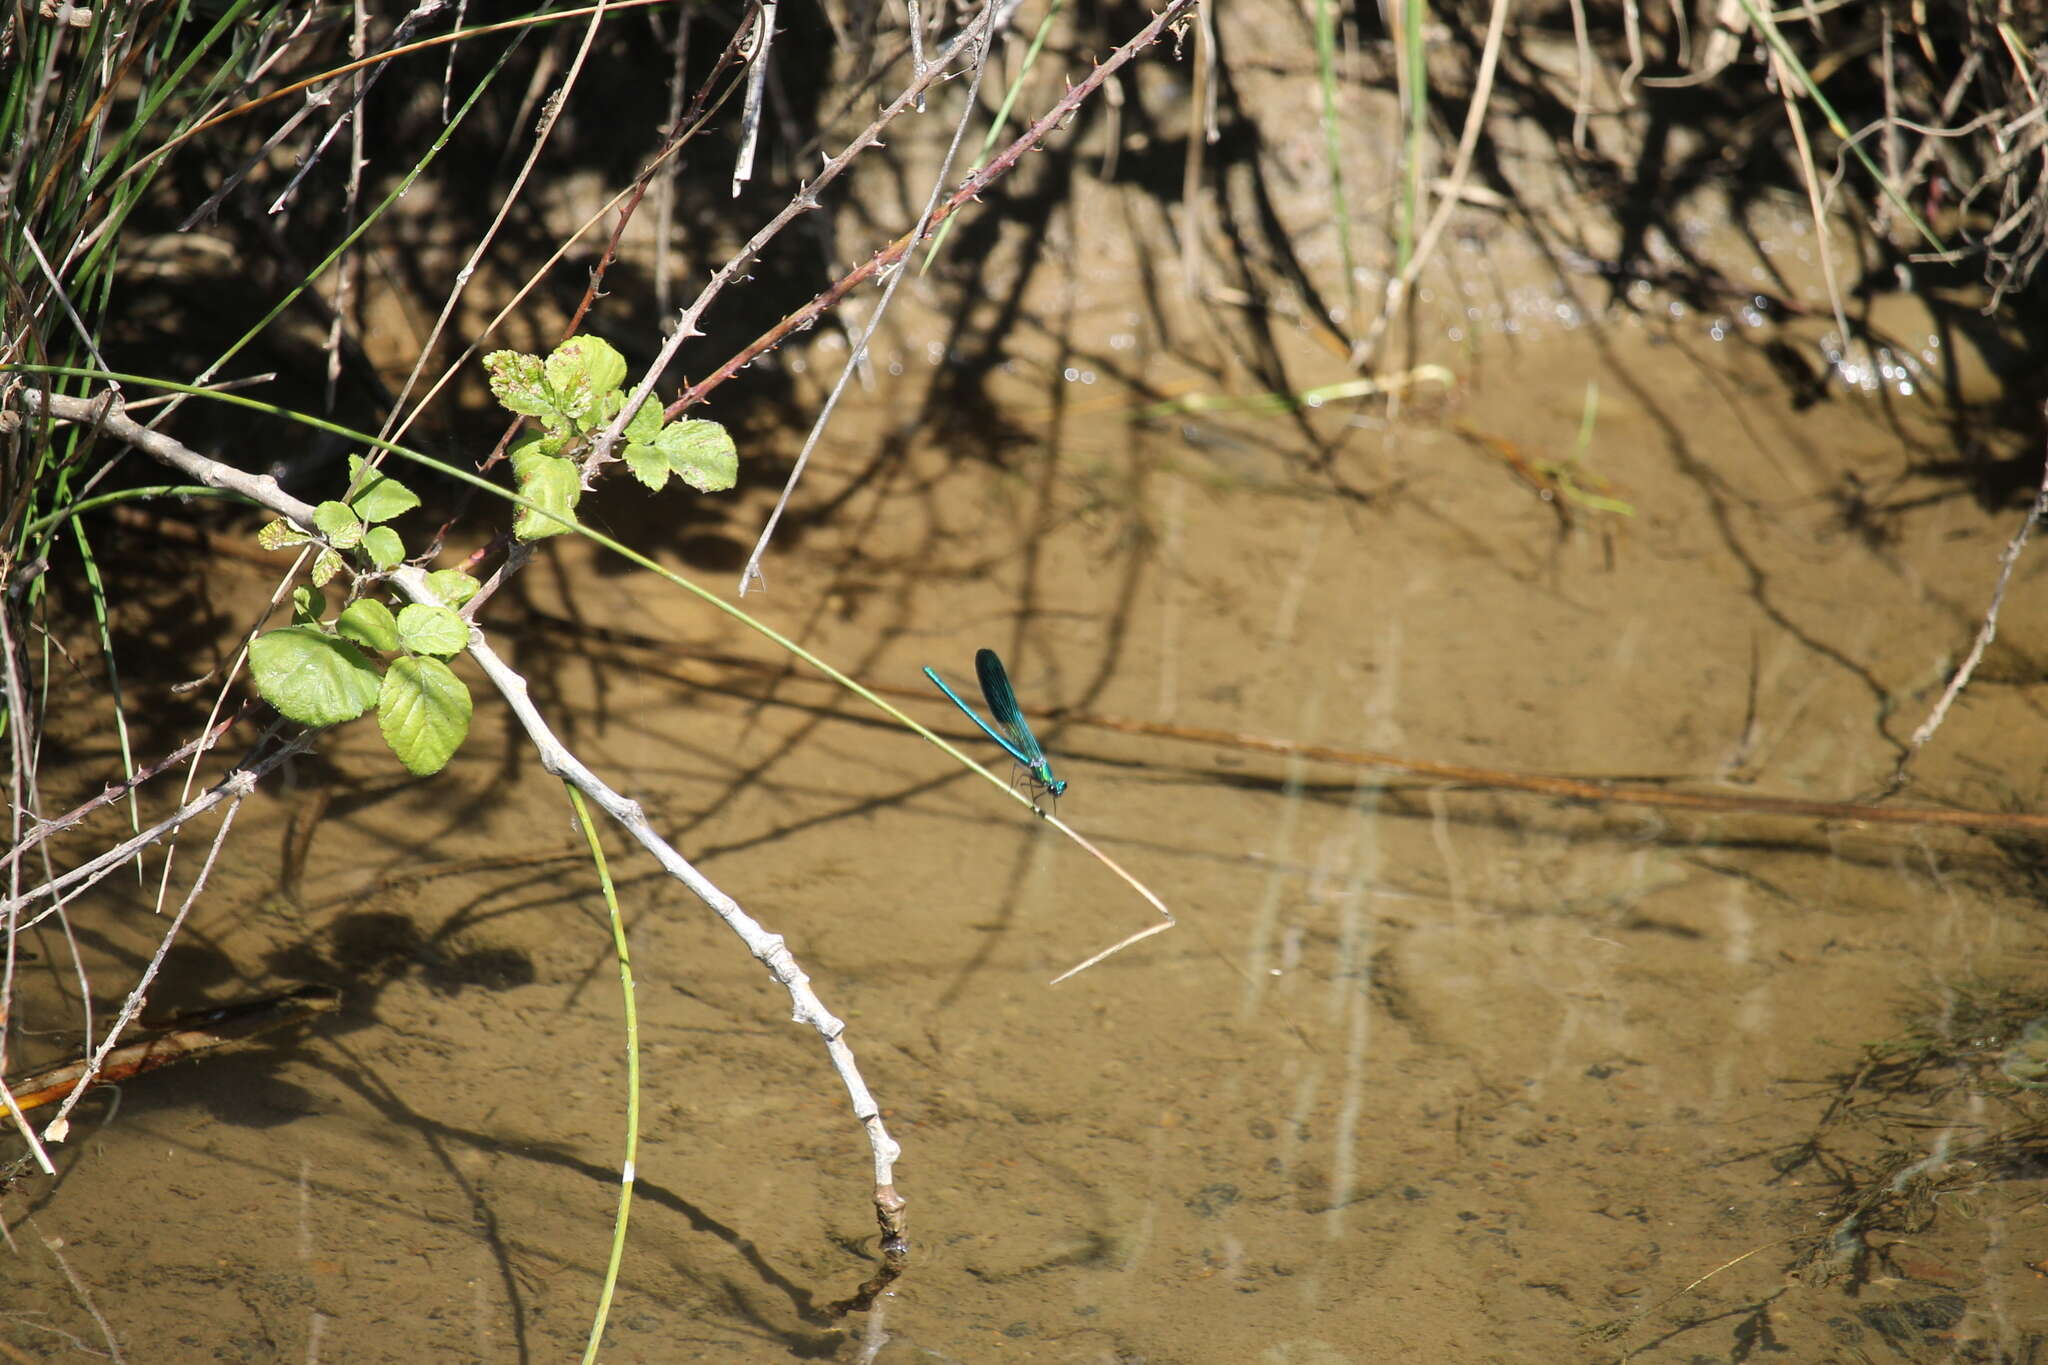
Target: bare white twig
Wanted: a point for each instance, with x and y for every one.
(767, 948)
(757, 84)
(112, 419)
(63, 298)
(918, 64)
(1582, 102)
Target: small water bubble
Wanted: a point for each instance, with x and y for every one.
(934, 352)
(797, 364)
(1070, 374)
(1456, 334)
(1087, 376)
(1675, 309)
(1122, 341)
(895, 367)
(1719, 330)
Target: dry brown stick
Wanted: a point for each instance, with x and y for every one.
(1592, 789)
(182, 1037)
(1596, 790)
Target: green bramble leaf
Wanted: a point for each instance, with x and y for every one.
(519, 383)
(701, 453)
(343, 529)
(370, 624)
(432, 630)
(581, 374)
(312, 677)
(281, 535)
(530, 453)
(646, 423)
(326, 565)
(649, 465)
(648, 461)
(379, 497)
(535, 448)
(384, 547)
(308, 605)
(453, 586)
(423, 711)
(551, 483)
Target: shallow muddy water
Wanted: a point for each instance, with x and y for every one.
(1428, 1069)
(1424, 1070)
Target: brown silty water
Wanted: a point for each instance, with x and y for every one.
(1426, 1070)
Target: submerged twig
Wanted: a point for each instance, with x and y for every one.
(1986, 632)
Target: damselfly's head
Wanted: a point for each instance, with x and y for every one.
(1056, 787)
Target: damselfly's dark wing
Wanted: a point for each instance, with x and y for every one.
(1002, 705)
